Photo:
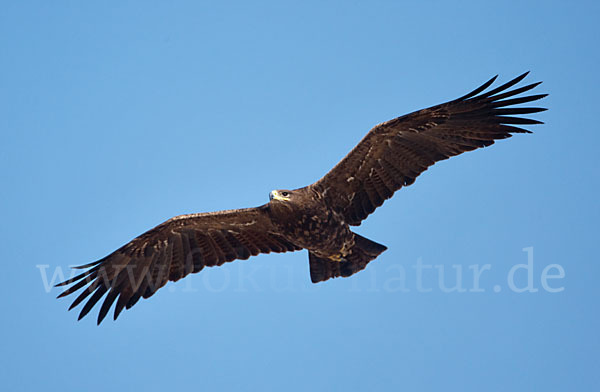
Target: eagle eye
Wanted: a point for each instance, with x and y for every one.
(285, 194)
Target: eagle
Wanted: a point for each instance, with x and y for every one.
(317, 217)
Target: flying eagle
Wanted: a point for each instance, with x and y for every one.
(317, 217)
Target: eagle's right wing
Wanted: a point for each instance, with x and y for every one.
(395, 152)
(182, 245)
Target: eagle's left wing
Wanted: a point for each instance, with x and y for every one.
(182, 245)
(395, 152)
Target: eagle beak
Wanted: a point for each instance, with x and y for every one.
(274, 195)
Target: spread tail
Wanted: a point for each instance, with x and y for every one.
(360, 255)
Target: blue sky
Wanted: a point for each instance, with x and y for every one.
(115, 117)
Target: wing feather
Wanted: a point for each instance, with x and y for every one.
(393, 154)
(172, 250)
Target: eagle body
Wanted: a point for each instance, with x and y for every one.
(317, 217)
(305, 218)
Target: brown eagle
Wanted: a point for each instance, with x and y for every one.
(317, 217)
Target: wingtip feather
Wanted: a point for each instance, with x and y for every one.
(478, 89)
(93, 263)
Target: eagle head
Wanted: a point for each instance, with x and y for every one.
(281, 195)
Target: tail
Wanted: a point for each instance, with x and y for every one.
(360, 255)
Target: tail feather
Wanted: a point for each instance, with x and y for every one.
(360, 255)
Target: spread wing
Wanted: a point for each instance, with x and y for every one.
(172, 250)
(395, 152)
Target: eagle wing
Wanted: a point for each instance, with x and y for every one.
(395, 152)
(182, 245)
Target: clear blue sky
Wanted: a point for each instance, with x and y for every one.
(115, 117)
